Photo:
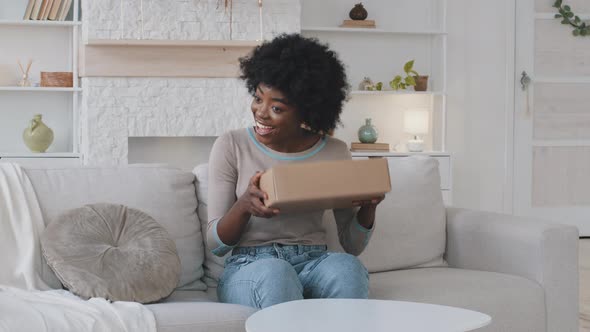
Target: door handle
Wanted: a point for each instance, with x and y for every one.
(525, 80)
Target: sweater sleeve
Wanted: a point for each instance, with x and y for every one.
(223, 177)
(353, 237)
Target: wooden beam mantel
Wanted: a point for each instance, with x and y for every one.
(162, 58)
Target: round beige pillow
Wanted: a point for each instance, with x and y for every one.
(112, 251)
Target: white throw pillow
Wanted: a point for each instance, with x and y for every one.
(410, 224)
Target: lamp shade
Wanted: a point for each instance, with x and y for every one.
(416, 122)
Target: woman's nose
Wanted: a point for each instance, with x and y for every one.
(262, 111)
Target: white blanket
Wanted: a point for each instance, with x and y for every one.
(21, 225)
(61, 311)
(26, 303)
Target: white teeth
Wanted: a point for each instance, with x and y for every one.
(263, 126)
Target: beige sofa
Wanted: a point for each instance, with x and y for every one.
(521, 272)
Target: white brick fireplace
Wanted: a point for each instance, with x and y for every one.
(117, 108)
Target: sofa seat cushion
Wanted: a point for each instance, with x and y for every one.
(166, 194)
(515, 304)
(210, 295)
(200, 316)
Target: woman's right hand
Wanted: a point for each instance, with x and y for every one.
(252, 201)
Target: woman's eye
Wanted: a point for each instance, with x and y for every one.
(276, 109)
(257, 99)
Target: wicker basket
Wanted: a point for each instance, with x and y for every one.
(57, 79)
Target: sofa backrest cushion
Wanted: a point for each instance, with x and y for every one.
(166, 194)
(213, 265)
(410, 223)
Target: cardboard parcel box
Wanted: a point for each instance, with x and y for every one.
(324, 185)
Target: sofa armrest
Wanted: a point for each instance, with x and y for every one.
(538, 250)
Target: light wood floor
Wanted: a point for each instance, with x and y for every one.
(584, 260)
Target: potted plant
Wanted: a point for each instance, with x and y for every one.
(419, 82)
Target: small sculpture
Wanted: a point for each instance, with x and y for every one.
(366, 84)
(358, 12)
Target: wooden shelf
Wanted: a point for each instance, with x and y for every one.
(163, 58)
(39, 89)
(41, 155)
(399, 92)
(169, 43)
(370, 30)
(39, 23)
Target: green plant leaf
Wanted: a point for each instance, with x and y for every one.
(558, 16)
(395, 83)
(410, 81)
(557, 3)
(567, 8)
(408, 66)
(570, 14)
(576, 32)
(584, 32)
(414, 72)
(565, 21)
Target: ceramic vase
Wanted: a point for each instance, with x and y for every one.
(38, 137)
(367, 133)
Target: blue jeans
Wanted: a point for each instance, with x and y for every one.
(263, 276)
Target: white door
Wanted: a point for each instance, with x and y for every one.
(552, 115)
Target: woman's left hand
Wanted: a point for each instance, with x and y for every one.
(366, 214)
(373, 202)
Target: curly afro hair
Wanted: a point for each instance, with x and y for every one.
(306, 71)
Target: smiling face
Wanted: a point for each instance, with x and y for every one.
(277, 122)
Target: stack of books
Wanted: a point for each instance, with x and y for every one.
(367, 24)
(378, 147)
(53, 10)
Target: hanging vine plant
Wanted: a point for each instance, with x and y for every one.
(566, 15)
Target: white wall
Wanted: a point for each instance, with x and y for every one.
(477, 99)
(115, 109)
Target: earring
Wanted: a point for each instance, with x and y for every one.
(305, 126)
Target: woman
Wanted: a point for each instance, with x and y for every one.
(298, 88)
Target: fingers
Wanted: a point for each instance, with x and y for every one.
(254, 186)
(254, 191)
(259, 210)
(372, 201)
(255, 180)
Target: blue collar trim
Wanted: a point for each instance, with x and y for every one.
(274, 155)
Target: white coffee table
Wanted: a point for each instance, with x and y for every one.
(348, 315)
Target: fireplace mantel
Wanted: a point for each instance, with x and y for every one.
(163, 58)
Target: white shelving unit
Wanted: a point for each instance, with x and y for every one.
(406, 30)
(53, 46)
(380, 54)
(367, 30)
(398, 92)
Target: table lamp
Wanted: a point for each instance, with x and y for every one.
(416, 123)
